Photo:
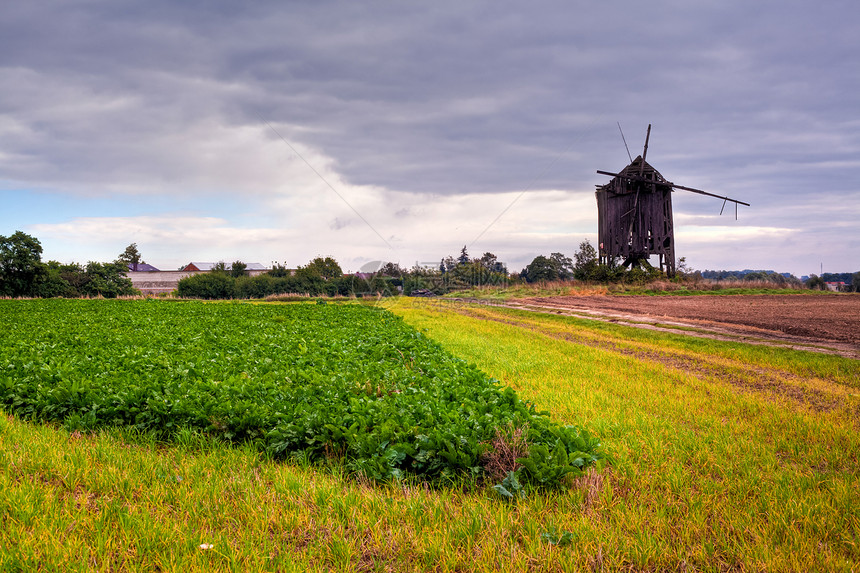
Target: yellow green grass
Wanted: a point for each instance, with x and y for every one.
(709, 471)
(525, 290)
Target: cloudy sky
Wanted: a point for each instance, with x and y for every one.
(402, 131)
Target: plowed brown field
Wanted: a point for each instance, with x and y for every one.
(808, 319)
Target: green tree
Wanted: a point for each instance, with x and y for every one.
(55, 284)
(463, 259)
(131, 256)
(327, 268)
(492, 264)
(585, 267)
(683, 270)
(390, 270)
(108, 280)
(777, 279)
(73, 274)
(815, 282)
(279, 271)
(21, 267)
(212, 285)
(487, 270)
(855, 282)
(447, 264)
(540, 269)
(259, 286)
(237, 269)
(563, 265)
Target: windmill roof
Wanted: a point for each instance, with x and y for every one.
(648, 169)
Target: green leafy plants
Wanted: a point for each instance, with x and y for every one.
(349, 383)
(554, 537)
(510, 488)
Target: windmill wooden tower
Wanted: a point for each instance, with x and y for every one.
(634, 214)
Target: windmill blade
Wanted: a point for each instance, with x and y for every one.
(674, 186)
(645, 151)
(625, 141)
(735, 201)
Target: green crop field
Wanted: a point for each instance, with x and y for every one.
(348, 383)
(145, 435)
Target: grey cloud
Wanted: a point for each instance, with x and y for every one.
(337, 224)
(755, 102)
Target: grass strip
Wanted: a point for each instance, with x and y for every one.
(702, 477)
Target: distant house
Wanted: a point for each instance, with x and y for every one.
(141, 268)
(206, 267)
(836, 285)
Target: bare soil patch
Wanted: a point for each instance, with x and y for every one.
(832, 320)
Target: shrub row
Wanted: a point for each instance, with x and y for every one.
(223, 286)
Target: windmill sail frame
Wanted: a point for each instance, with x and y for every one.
(634, 214)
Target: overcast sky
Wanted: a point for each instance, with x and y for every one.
(402, 131)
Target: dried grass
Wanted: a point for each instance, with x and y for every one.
(591, 485)
(508, 445)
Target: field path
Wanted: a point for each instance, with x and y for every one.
(774, 383)
(818, 323)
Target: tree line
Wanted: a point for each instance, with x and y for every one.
(324, 277)
(851, 280)
(23, 274)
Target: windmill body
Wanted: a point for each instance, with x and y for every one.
(634, 215)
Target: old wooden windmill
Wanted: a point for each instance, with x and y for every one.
(634, 214)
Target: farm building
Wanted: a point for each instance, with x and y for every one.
(157, 282)
(149, 280)
(141, 268)
(206, 267)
